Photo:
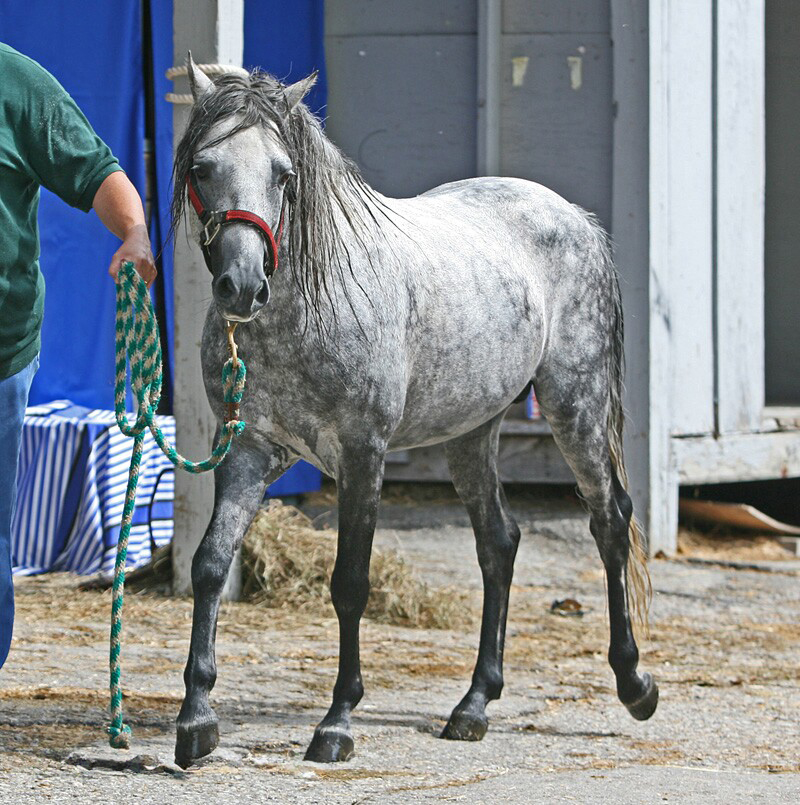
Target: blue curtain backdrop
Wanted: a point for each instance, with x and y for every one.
(285, 38)
(160, 116)
(94, 49)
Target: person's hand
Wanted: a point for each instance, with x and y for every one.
(135, 249)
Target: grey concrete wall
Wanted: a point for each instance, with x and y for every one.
(782, 252)
(557, 116)
(402, 90)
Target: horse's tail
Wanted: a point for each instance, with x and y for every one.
(639, 588)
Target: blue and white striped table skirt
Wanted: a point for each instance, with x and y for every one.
(71, 483)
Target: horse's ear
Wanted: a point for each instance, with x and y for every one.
(198, 80)
(295, 93)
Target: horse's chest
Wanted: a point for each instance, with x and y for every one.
(313, 440)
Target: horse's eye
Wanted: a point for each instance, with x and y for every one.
(290, 174)
(200, 172)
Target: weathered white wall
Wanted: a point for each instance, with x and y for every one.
(688, 224)
(740, 168)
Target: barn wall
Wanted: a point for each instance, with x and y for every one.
(403, 94)
(402, 90)
(556, 117)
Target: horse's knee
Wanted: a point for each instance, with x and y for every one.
(349, 591)
(210, 569)
(497, 550)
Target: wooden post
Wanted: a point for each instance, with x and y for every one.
(213, 31)
(638, 220)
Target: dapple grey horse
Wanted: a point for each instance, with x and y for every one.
(391, 324)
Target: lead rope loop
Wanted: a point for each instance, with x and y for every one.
(138, 344)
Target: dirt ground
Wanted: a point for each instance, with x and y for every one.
(725, 649)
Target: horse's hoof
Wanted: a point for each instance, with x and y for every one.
(464, 726)
(646, 704)
(195, 741)
(330, 746)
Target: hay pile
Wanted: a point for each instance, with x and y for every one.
(286, 562)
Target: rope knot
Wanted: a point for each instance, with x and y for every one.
(233, 377)
(120, 737)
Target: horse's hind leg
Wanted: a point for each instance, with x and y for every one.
(576, 404)
(239, 485)
(473, 466)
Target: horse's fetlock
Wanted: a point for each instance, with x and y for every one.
(351, 691)
(624, 658)
(200, 673)
(489, 682)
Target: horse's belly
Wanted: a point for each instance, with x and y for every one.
(454, 393)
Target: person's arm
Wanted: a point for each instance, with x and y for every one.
(119, 207)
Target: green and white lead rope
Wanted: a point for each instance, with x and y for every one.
(137, 344)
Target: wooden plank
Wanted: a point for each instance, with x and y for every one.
(209, 29)
(557, 115)
(404, 108)
(414, 17)
(521, 459)
(738, 457)
(740, 213)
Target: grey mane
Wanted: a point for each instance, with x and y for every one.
(334, 210)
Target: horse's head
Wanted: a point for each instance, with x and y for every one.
(239, 177)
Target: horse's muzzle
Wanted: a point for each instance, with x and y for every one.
(240, 300)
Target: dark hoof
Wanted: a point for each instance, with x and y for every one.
(194, 742)
(330, 746)
(646, 704)
(465, 727)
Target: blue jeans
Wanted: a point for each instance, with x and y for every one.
(13, 399)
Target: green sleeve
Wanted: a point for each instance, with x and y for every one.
(64, 153)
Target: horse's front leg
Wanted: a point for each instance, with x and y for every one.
(359, 488)
(239, 484)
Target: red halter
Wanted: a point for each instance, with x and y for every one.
(213, 221)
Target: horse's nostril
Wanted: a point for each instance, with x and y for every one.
(262, 295)
(226, 288)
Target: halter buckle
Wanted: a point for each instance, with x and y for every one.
(209, 238)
